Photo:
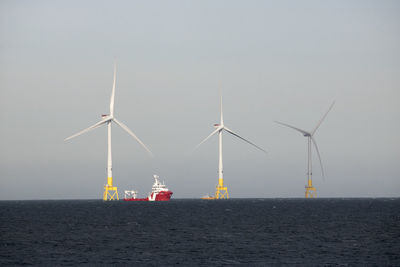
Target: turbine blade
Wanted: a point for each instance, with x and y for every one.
(94, 126)
(222, 114)
(319, 156)
(214, 132)
(320, 121)
(123, 126)
(231, 132)
(113, 91)
(297, 129)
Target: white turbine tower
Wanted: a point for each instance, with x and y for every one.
(222, 191)
(110, 191)
(310, 190)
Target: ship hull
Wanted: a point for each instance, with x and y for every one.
(136, 199)
(161, 196)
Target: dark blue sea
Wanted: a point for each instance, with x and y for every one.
(246, 232)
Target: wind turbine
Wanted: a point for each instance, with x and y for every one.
(310, 190)
(110, 191)
(222, 191)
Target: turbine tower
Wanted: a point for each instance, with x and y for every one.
(221, 190)
(310, 189)
(110, 191)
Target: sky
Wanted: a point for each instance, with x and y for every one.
(273, 60)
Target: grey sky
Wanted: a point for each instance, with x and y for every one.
(275, 60)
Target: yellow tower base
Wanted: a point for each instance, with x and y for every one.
(110, 191)
(310, 190)
(222, 191)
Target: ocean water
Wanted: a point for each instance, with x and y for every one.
(246, 232)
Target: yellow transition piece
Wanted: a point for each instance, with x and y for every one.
(310, 190)
(110, 191)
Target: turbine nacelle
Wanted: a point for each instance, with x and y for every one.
(106, 117)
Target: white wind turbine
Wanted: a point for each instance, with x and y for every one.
(222, 191)
(310, 190)
(110, 191)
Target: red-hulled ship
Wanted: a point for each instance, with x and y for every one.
(159, 192)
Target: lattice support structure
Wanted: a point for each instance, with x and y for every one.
(222, 191)
(310, 190)
(110, 191)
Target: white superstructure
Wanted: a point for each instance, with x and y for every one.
(130, 194)
(157, 188)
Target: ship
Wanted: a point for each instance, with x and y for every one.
(159, 192)
(207, 197)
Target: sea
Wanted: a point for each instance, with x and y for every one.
(194, 232)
